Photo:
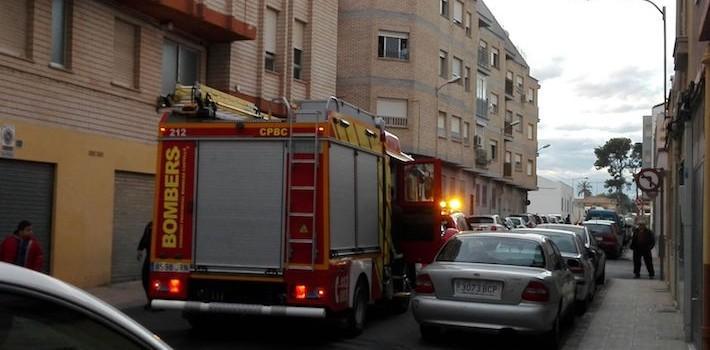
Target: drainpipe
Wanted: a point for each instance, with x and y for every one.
(706, 218)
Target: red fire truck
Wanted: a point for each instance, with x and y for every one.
(258, 215)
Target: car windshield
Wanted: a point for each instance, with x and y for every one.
(516, 221)
(480, 220)
(493, 250)
(598, 229)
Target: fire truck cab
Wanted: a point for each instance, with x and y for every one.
(258, 215)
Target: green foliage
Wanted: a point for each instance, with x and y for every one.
(584, 189)
(618, 155)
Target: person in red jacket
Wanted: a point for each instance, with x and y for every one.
(22, 248)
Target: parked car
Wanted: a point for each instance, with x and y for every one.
(516, 222)
(611, 215)
(578, 260)
(530, 220)
(608, 236)
(545, 219)
(552, 219)
(40, 312)
(456, 221)
(486, 223)
(496, 281)
(559, 218)
(597, 254)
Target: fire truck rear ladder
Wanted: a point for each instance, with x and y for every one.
(291, 189)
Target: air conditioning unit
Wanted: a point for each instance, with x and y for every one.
(482, 157)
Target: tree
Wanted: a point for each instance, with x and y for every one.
(618, 156)
(584, 189)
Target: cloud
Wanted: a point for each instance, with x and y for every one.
(617, 129)
(628, 82)
(552, 70)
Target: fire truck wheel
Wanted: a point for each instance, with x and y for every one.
(355, 317)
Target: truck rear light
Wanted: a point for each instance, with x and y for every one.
(157, 285)
(174, 286)
(575, 266)
(300, 291)
(424, 284)
(536, 291)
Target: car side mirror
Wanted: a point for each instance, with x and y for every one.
(591, 252)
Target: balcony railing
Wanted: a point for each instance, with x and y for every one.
(483, 60)
(509, 87)
(508, 129)
(507, 170)
(395, 122)
(482, 108)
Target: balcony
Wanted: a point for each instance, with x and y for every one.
(508, 170)
(482, 160)
(482, 108)
(483, 61)
(680, 53)
(196, 18)
(395, 122)
(508, 89)
(508, 129)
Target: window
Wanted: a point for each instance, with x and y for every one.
(468, 20)
(444, 8)
(531, 95)
(441, 125)
(299, 28)
(518, 162)
(466, 131)
(180, 65)
(530, 167)
(125, 53)
(456, 128)
(443, 64)
(478, 195)
(507, 157)
(494, 149)
(456, 69)
(458, 12)
(509, 75)
(484, 195)
(60, 17)
(35, 321)
(519, 124)
(531, 131)
(393, 45)
(393, 111)
(481, 87)
(519, 82)
(494, 198)
(495, 57)
(467, 79)
(494, 103)
(270, 22)
(14, 27)
(480, 131)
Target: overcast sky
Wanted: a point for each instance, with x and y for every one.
(600, 65)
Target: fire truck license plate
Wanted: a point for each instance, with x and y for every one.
(478, 288)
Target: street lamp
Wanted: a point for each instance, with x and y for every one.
(540, 149)
(454, 79)
(450, 81)
(662, 11)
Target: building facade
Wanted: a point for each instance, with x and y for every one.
(78, 110)
(551, 197)
(437, 73)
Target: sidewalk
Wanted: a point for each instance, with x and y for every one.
(121, 295)
(630, 314)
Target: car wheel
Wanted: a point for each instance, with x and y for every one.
(581, 306)
(355, 317)
(602, 278)
(429, 333)
(551, 339)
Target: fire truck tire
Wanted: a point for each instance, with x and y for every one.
(355, 318)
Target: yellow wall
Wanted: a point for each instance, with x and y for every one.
(83, 198)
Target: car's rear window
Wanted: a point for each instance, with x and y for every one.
(493, 250)
(598, 229)
(565, 243)
(601, 215)
(578, 230)
(480, 220)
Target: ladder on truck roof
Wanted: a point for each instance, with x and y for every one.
(310, 162)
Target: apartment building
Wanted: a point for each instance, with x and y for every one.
(436, 72)
(81, 81)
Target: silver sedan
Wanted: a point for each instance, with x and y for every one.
(496, 282)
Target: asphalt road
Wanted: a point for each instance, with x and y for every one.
(384, 331)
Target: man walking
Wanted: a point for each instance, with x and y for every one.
(22, 248)
(642, 243)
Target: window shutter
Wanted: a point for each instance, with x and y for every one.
(13, 26)
(270, 20)
(298, 30)
(458, 11)
(124, 53)
(390, 107)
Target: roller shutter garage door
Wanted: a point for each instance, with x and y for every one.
(26, 193)
(132, 209)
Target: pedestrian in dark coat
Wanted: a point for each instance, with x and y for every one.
(22, 248)
(144, 245)
(642, 243)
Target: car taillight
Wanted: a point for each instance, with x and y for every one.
(575, 266)
(609, 238)
(536, 291)
(494, 228)
(424, 284)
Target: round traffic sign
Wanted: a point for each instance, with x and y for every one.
(648, 180)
